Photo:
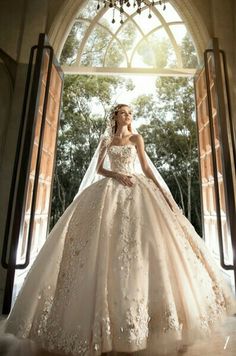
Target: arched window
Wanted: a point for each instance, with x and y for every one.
(140, 44)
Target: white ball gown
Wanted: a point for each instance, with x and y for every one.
(120, 271)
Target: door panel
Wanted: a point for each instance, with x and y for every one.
(216, 150)
(35, 162)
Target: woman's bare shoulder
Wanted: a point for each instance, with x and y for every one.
(136, 139)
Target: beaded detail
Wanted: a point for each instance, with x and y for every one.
(119, 270)
(122, 158)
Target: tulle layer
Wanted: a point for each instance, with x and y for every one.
(121, 271)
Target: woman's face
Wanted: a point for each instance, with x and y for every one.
(124, 116)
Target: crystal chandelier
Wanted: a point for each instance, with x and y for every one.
(138, 5)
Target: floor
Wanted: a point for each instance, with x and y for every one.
(222, 343)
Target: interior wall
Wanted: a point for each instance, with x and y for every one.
(6, 90)
(223, 28)
(233, 94)
(11, 22)
(20, 24)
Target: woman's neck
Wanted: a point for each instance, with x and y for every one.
(122, 132)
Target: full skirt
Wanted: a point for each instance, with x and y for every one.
(121, 271)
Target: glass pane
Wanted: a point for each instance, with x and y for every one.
(145, 23)
(89, 11)
(144, 56)
(169, 13)
(108, 16)
(187, 50)
(156, 52)
(165, 56)
(129, 36)
(188, 53)
(115, 56)
(129, 10)
(179, 32)
(70, 49)
(95, 48)
(106, 21)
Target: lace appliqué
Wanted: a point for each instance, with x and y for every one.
(122, 158)
(171, 320)
(49, 333)
(129, 243)
(137, 319)
(117, 228)
(101, 331)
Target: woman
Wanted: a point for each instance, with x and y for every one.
(123, 270)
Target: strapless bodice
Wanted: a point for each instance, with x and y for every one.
(122, 158)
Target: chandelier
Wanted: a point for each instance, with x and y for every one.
(138, 5)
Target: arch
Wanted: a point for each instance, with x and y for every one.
(62, 24)
(194, 23)
(67, 13)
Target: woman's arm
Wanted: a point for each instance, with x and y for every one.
(142, 158)
(144, 164)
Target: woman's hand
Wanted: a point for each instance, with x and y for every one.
(124, 179)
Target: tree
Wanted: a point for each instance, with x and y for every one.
(171, 140)
(79, 133)
(171, 137)
(80, 126)
(169, 131)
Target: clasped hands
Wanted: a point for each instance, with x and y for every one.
(127, 181)
(124, 179)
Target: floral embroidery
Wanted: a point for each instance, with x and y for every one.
(137, 319)
(122, 158)
(171, 322)
(112, 241)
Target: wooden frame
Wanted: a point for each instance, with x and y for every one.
(29, 163)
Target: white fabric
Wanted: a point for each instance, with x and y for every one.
(121, 271)
(91, 175)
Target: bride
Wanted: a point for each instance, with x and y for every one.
(123, 270)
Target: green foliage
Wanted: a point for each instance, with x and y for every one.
(79, 132)
(170, 134)
(154, 53)
(100, 43)
(169, 130)
(171, 140)
(188, 53)
(127, 35)
(70, 49)
(96, 45)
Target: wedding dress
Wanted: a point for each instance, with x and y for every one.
(121, 271)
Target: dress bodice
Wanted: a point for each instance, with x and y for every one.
(122, 158)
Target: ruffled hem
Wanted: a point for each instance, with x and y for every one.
(168, 344)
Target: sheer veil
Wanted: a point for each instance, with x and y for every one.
(91, 176)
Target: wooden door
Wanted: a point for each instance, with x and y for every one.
(29, 207)
(217, 159)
